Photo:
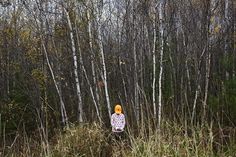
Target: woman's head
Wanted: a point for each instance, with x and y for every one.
(118, 109)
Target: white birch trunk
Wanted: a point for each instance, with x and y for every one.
(92, 58)
(86, 76)
(77, 82)
(154, 68)
(100, 44)
(161, 18)
(62, 105)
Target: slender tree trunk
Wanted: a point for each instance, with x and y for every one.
(123, 80)
(92, 59)
(198, 86)
(136, 97)
(226, 24)
(208, 63)
(210, 40)
(77, 82)
(161, 18)
(8, 72)
(100, 44)
(87, 79)
(62, 105)
(135, 72)
(188, 88)
(154, 68)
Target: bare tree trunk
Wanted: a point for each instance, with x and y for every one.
(92, 59)
(161, 18)
(136, 97)
(62, 105)
(198, 86)
(154, 67)
(8, 72)
(123, 80)
(226, 24)
(87, 79)
(188, 88)
(208, 63)
(211, 39)
(185, 52)
(135, 71)
(100, 44)
(77, 82)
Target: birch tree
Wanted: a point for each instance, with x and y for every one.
(161, 27)
(99, 16)
(88, 13)
(62, 105)
(56, 83)
(154, 65)
(77, 81)
(85, 71)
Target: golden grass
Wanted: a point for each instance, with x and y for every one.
(92, 140)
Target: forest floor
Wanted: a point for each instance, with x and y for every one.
(94, 140)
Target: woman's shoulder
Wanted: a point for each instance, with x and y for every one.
(122, 115)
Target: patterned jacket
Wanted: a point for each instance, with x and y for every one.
(117, 122)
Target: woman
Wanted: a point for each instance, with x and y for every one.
(118, 122)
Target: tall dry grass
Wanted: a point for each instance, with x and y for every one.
(181, 141)
(93, 140)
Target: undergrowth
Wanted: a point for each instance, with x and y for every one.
(93, 140)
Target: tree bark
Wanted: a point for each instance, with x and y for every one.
(87, 79)
(100, 44)
(62, 105)
(154, 67)
(161, 18)
(77, 81)
(92, 59)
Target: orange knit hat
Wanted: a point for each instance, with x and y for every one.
(118, 109)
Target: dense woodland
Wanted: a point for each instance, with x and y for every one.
(64, 62)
